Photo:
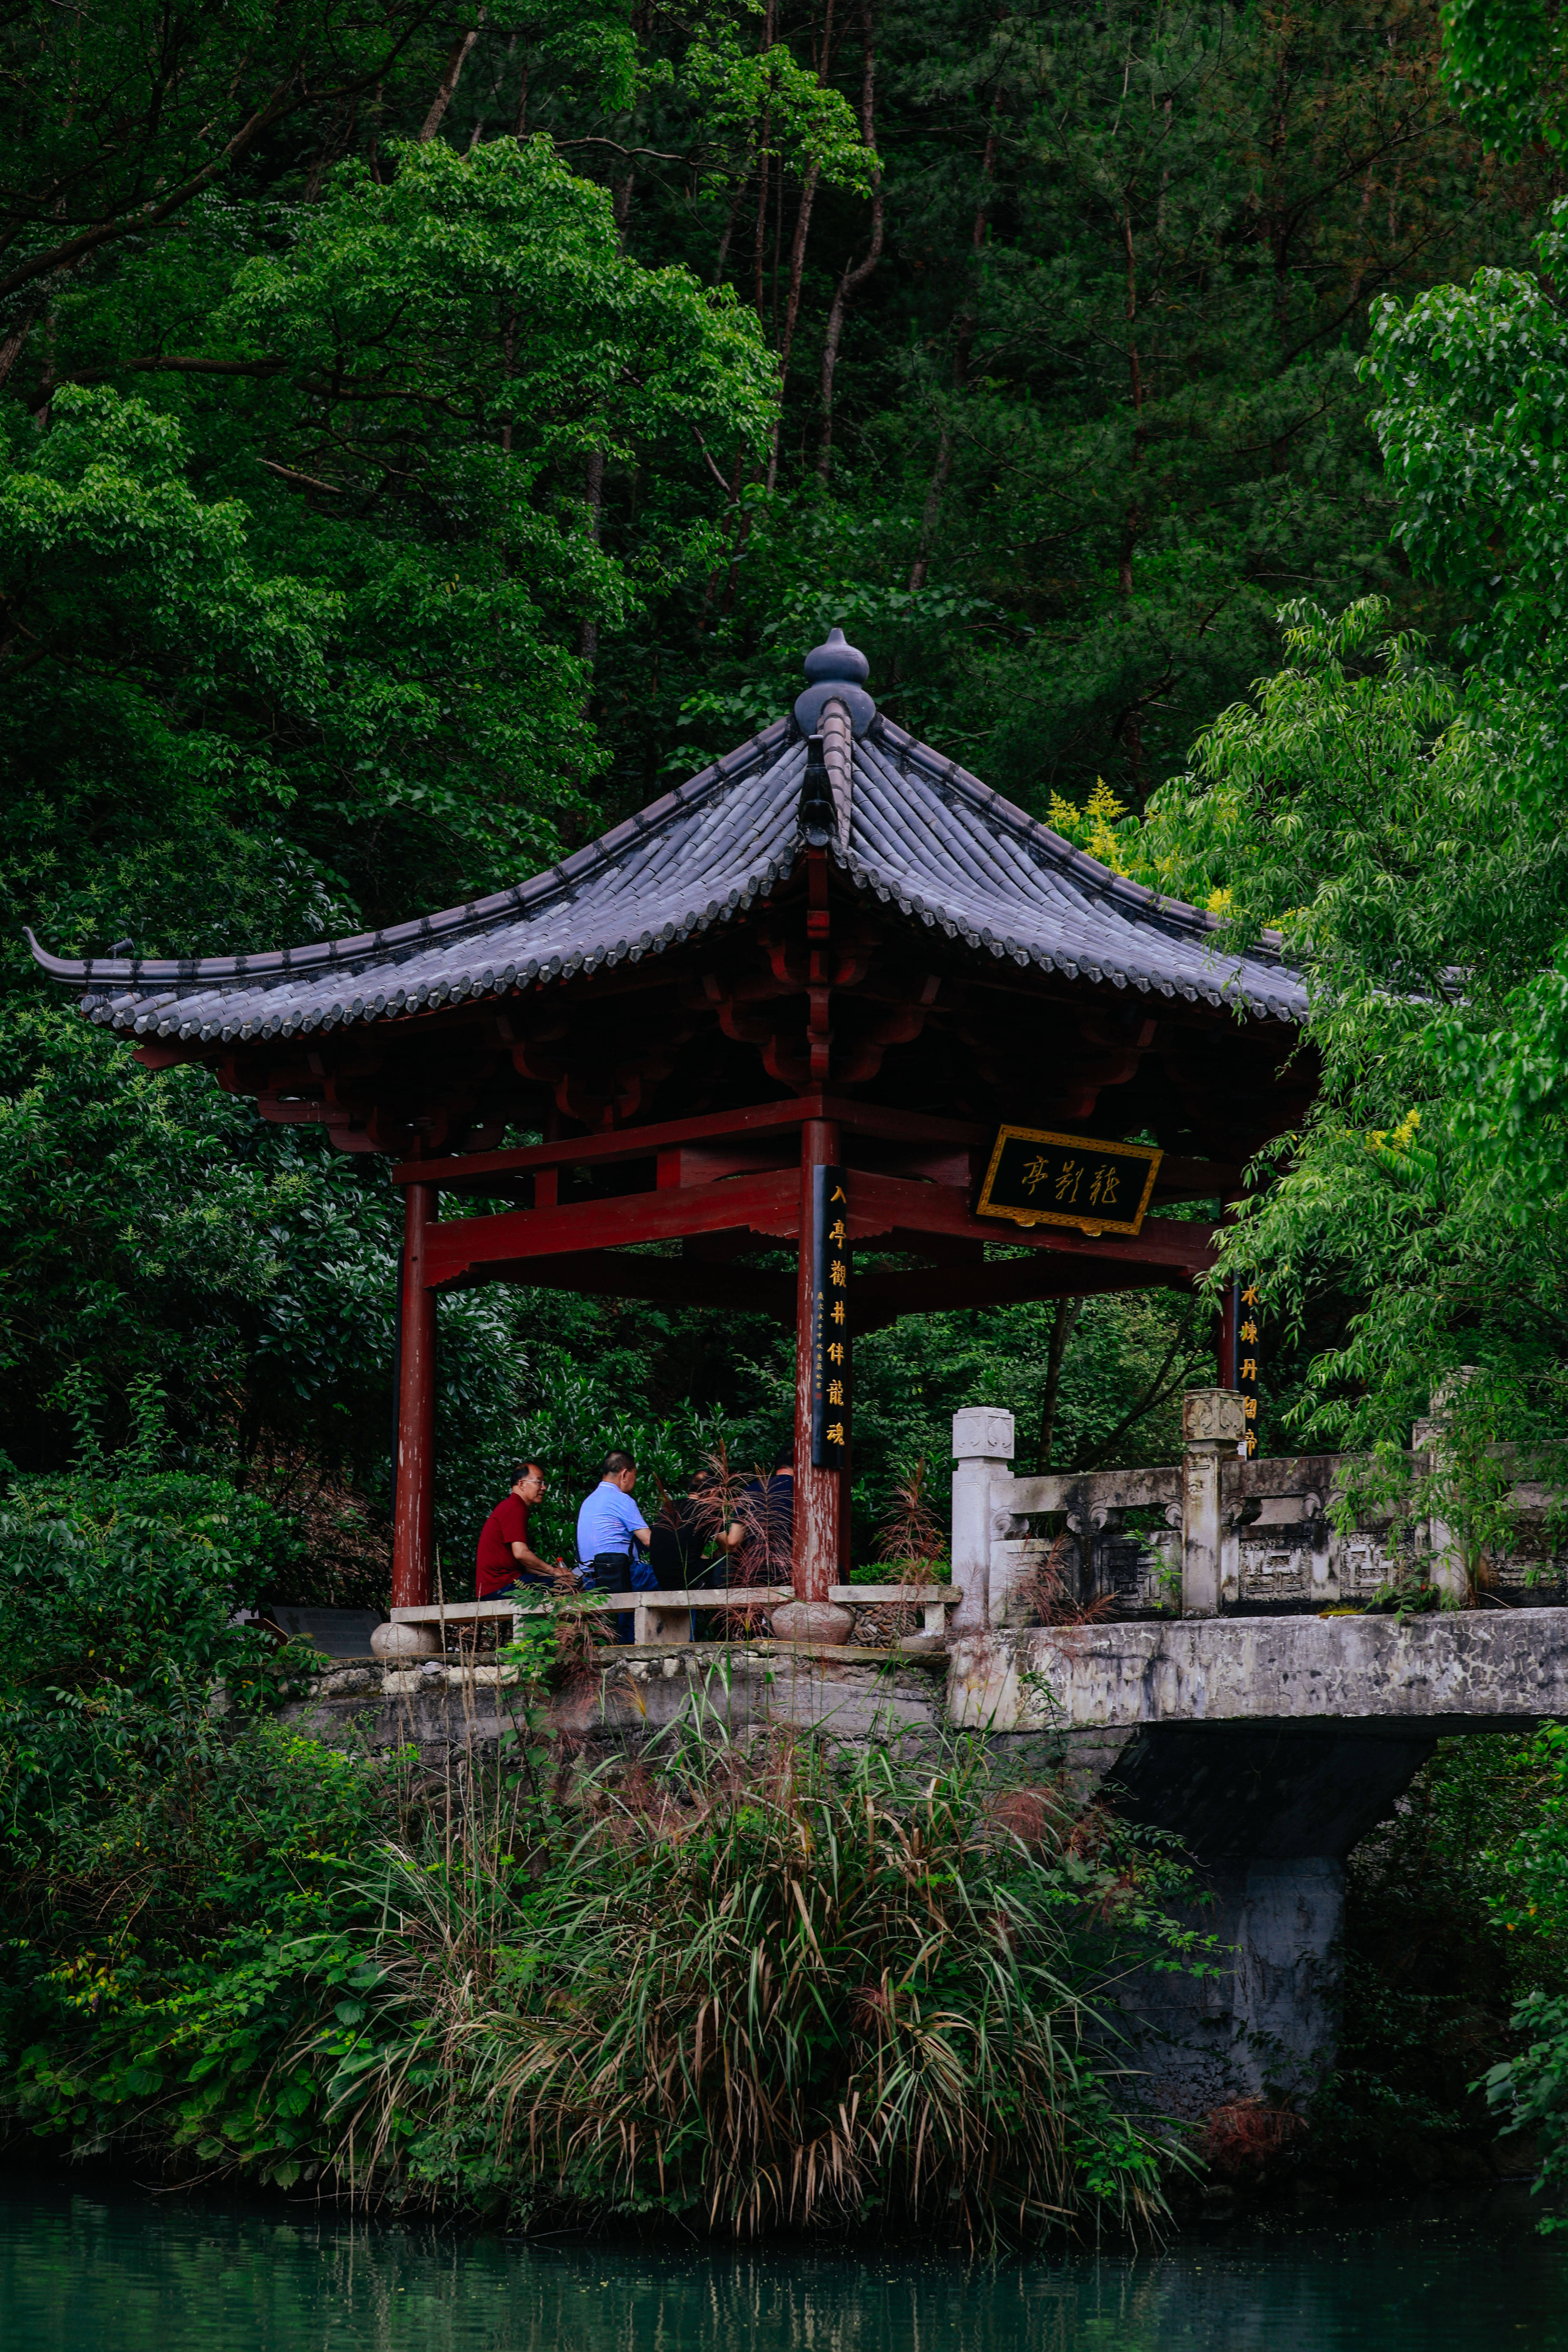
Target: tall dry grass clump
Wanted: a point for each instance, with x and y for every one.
(762, 1989)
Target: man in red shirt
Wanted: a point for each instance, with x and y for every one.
(504, 1556)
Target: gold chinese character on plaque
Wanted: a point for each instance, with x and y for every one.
(836, 1274)
(836, 1352)
(835, 1392)
(1249, 1333)
(835, 1232)
(838, 1310)
(1035, 1178)
(835, 1433)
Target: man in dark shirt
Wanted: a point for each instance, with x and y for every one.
(762, 1530)
(505, 1557)
(687, 1529)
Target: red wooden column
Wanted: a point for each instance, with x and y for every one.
(817, 1493)
(414, 1526)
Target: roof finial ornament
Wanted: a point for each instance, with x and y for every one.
(837, 673)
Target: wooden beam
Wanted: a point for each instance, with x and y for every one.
(470, 1170)
(892, 1205)
(881, 1297)
(766, 1203)
(414, 1513)
(1180, 1178)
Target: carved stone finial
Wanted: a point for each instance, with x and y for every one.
(838, 672)
(1214, 1416)
(982, 1433)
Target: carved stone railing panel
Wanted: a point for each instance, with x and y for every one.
(1215, 1532)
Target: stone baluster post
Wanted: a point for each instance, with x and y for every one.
(982, 1450)
(1446, 1567)
(1212, 1424)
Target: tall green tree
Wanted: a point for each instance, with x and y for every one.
(1403, 824)
(422, 430)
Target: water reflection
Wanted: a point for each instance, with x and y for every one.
(119, 2272)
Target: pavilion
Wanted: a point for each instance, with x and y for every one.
(791, 1006)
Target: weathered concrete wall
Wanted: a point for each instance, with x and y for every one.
(446, 1708)
(1263, 2020)
(1454, 1668)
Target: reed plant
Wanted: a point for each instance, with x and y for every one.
(765, 1985)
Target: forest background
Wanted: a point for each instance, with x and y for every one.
(428, 432)
(425, 433)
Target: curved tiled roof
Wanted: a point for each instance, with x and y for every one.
(920, 832)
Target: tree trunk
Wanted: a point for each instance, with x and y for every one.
(1062, 1326)
(855, 276)
(15, 340)
(594, 494)
(740, 187)
(1133, 522)
(449, 79)
(967, 325)
(938, 483)
(791, 306)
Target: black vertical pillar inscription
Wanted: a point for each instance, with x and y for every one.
(829, 1245)
(1249, 1358)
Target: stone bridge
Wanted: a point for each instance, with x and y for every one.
(1237, 1699)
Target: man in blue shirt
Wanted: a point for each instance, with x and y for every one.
(613, 1537)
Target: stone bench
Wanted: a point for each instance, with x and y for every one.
(664, 1616)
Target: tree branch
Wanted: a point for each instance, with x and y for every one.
(289, 94)
(1155, 1393)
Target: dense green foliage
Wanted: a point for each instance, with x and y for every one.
(117, 1591)
(1528, 2089)
(1402, 821)
(1434, 1971)
(394, 480)
(422, 433)
(736, 1985)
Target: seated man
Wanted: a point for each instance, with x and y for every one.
(762, 1531)
(505, 1559)
(613, 1537)
(687, 1529)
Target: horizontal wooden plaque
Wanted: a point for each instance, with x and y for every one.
(1038, 1178)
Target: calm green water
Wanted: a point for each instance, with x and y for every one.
(119, 2272)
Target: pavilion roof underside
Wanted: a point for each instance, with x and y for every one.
(918, 832)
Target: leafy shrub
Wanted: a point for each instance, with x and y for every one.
(1433, 1973)
(1529, 2088)
(747, 1989)
(186, 1944)
(118, 1593)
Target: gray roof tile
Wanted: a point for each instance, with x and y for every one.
(923, 834)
